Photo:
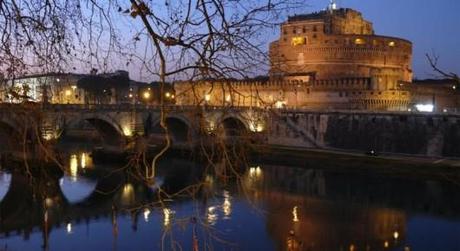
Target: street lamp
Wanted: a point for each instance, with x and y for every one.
(146, 95)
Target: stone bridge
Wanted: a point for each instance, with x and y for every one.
(117, 124)
(425, 134)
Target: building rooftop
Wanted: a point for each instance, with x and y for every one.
(322, 14)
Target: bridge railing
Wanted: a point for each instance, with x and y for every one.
(143, 107)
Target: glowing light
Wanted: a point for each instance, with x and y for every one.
(352, 247)
(167, 94)
(127, 131)
(360, 41)
(146, 94)
(172, 96)
(454, 87)
(74, 87)
(396, 235)
(409, 110)
(255, 172)
(212, 215)
(146, 214)
(227, 205)
(392, 44)
(386, 244)
(84, 156)
(167, 213)
(424, 107)
(256, 127)
(69, 228)
(211, 126)
(58, 80)
(298, 41)
(48, 202)
(48, 136)
(130, 95)
(207, 97)
(228, 98)
(73, 167)
(280, 104)
(68, 92)
(295, 217)
(127, 194)
(444, 110)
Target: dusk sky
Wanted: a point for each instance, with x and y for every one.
(431, 25)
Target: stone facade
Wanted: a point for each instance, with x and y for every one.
(325, 60)
(336, 44)
(349, 93)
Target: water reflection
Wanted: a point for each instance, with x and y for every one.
(77, 163)
(5, 180)
(296, 209)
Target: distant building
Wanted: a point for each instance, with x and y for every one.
(326, 60)
(51, 87)
(71, 88)
(438, 95)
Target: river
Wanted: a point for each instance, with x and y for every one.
(268, 207)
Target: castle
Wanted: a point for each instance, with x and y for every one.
(325, 60)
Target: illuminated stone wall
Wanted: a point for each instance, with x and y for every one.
(350, 93)
(340, 44)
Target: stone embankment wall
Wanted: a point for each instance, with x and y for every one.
(403, 133)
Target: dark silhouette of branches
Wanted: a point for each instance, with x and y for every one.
(433, 60)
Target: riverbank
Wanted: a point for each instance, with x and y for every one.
(355, 161)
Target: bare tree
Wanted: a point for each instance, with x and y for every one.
(433, 60)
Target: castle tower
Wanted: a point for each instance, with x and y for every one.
(339, 43)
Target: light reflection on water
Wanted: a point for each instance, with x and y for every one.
(302, 210)
(5, 180)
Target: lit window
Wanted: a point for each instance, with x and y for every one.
(360, 41)
(298, 41)
(391, 44)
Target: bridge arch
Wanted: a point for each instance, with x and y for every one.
(234, 126)
(107, 127)
(178, 126)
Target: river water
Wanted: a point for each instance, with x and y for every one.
(270, 207)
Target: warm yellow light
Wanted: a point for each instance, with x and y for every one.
(396, 235)
(83, 160)
(127, 131)
(167, 214)
(295, 217)
(298, 41)
(167, 95)
(255, 172)
(386, 244)
(146, 94)
(391, 44)
(256, 127)
(280, 104)
(227, 205)
(172, 96)
(74, 87)
(352, 247)
(68, 92)
(207, 97)
(73, 167)
(130, 95)
(360, 41)
(228, 98)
